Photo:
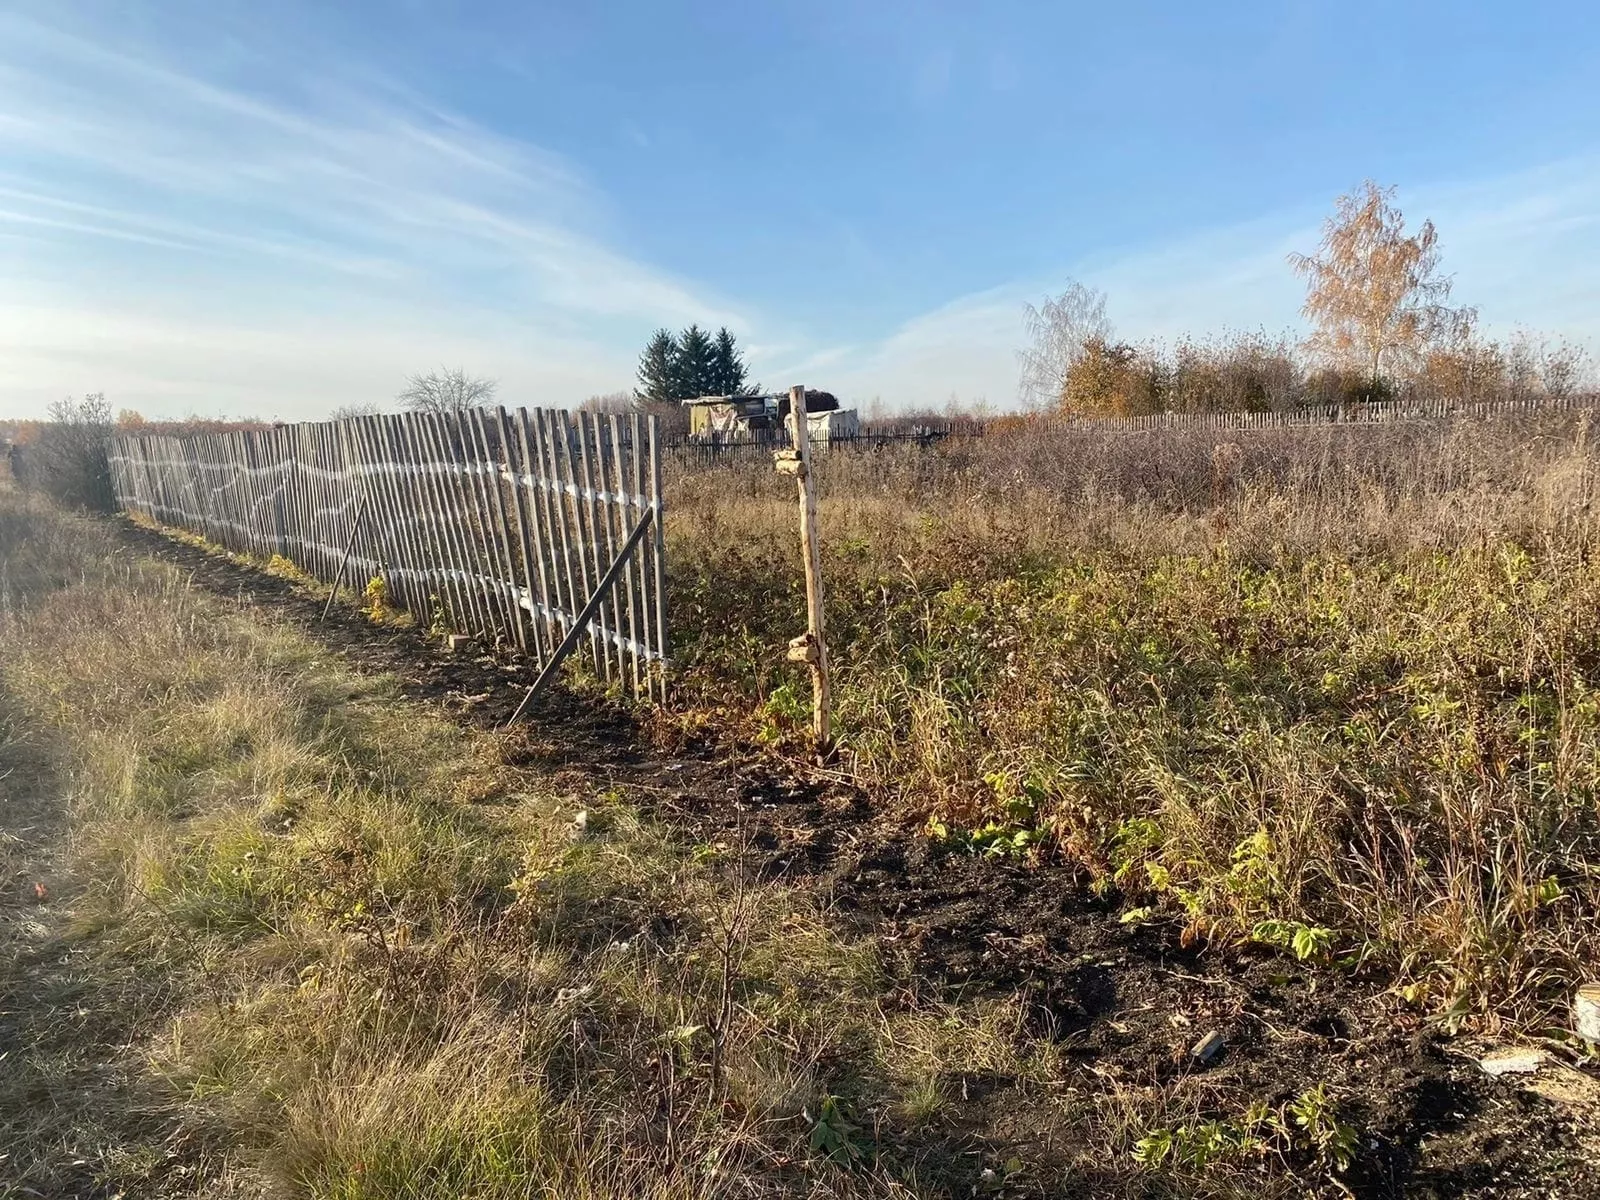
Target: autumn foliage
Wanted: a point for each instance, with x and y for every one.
(1382, 329)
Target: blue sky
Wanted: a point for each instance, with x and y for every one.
(278, 208)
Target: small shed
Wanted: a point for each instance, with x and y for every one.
(833, 425)
(712, 416)
(718, 418)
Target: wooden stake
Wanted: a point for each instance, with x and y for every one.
(812, 647)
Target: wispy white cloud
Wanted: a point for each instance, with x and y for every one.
(140, 227)
(8, 216)
(131, 182)
(192, 362)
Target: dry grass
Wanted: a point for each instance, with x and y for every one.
(1325, 688)
(307, 939)
(1332, 688)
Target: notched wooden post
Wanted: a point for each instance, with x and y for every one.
(810, 647)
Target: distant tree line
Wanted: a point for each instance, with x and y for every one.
(1382, 328)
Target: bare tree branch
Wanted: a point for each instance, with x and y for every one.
(610, 402)
(1059, 329)
(446, 390)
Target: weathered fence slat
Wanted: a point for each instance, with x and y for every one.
(485, 481)
(556, 495)
(458, 556)
(604, 544)
(530, 511)
(492, 479)
(659, 553)
(462, 469)
(631, 491)
(631, 590)
(588, 573)
(417, 496)
(338, 576)
(392, 560)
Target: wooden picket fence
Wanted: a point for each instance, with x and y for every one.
(507, 526)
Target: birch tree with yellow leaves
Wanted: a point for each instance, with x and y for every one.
(1374, 292)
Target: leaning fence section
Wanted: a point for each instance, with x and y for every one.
(503, 525)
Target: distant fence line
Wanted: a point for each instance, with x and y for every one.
(498, 524)
(1325, 414)
(726, 449)
(705, 451)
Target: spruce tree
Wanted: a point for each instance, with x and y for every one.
(728, 372)
(696, 365)
(658, 369)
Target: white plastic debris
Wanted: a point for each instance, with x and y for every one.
(1511, 1061)
(1586, 1012)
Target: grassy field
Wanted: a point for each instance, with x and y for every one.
(1330, 689)
(1322, 698)
(272, 930)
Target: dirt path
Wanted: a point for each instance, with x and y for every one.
(55, 1091)
(71, 1110)
(1124, 1001)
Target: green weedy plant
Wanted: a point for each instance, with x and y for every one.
(1304, 941)
(1348, 702)
(1014, 836)
(994, 839)
(1308, 1123)
(785, 712)
(1314, 1116)
(833, 1134)
(1132, 844)
(1199, 1144)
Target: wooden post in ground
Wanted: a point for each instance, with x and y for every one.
(810, 647)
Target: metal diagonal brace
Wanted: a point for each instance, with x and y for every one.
(585, 615)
